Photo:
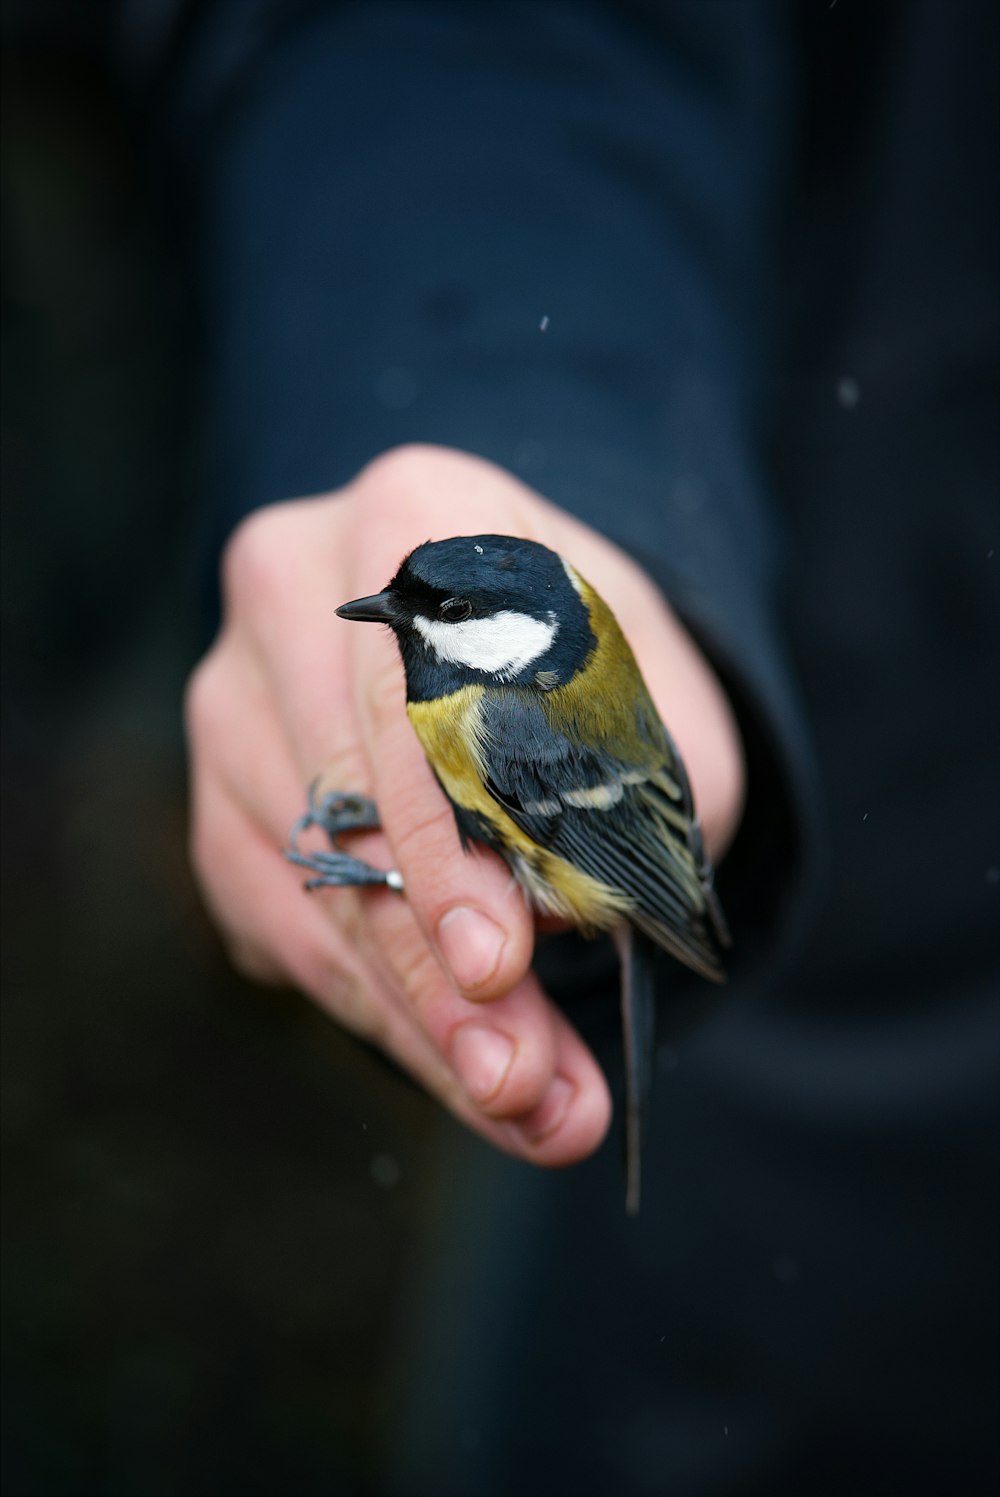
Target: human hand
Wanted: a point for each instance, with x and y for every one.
(288, 694)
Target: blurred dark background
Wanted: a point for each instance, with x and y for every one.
(208, 1189)
(219, 1212)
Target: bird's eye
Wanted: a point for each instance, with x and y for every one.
(455, 609)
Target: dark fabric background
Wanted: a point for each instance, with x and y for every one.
(241, 1255)
(208, 1193)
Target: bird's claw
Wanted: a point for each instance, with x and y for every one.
(338, 870)
(336, 813)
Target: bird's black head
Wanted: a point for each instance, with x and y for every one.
(491, 609)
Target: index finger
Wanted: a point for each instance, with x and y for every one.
(467, 903)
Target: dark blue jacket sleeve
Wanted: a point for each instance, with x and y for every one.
(543, 233)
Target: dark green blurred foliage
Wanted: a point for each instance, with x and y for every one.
(207, 1188)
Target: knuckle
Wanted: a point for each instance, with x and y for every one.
(207, 853)
(253, 963)
(199, 844)
(341, 772)
(254, 563)
(395, 472)
(417, 969)
(200, 696)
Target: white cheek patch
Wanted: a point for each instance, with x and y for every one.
(503, 645)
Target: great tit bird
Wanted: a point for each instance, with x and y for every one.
(541, 732)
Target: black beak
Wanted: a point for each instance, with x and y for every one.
(380, 608)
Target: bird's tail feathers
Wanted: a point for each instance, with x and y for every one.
(637, 953)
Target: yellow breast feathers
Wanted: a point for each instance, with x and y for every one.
(451, 732)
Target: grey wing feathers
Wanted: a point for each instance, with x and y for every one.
(631, 827)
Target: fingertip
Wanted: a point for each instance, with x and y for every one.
(471, 944)
(570, 1122)
(482, 1057)
(465, 900)
(486, 950)
(552, 1112)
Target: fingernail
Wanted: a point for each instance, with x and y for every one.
(482, 1057)
(549, 1115)
(471, 944)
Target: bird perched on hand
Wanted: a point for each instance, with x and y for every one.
(541, 732)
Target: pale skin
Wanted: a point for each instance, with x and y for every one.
(289, 693)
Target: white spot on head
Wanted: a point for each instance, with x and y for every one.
(574, 577)
(543, 325)
(478, 550)
(503, 645)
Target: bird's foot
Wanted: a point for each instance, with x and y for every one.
(336, 813)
